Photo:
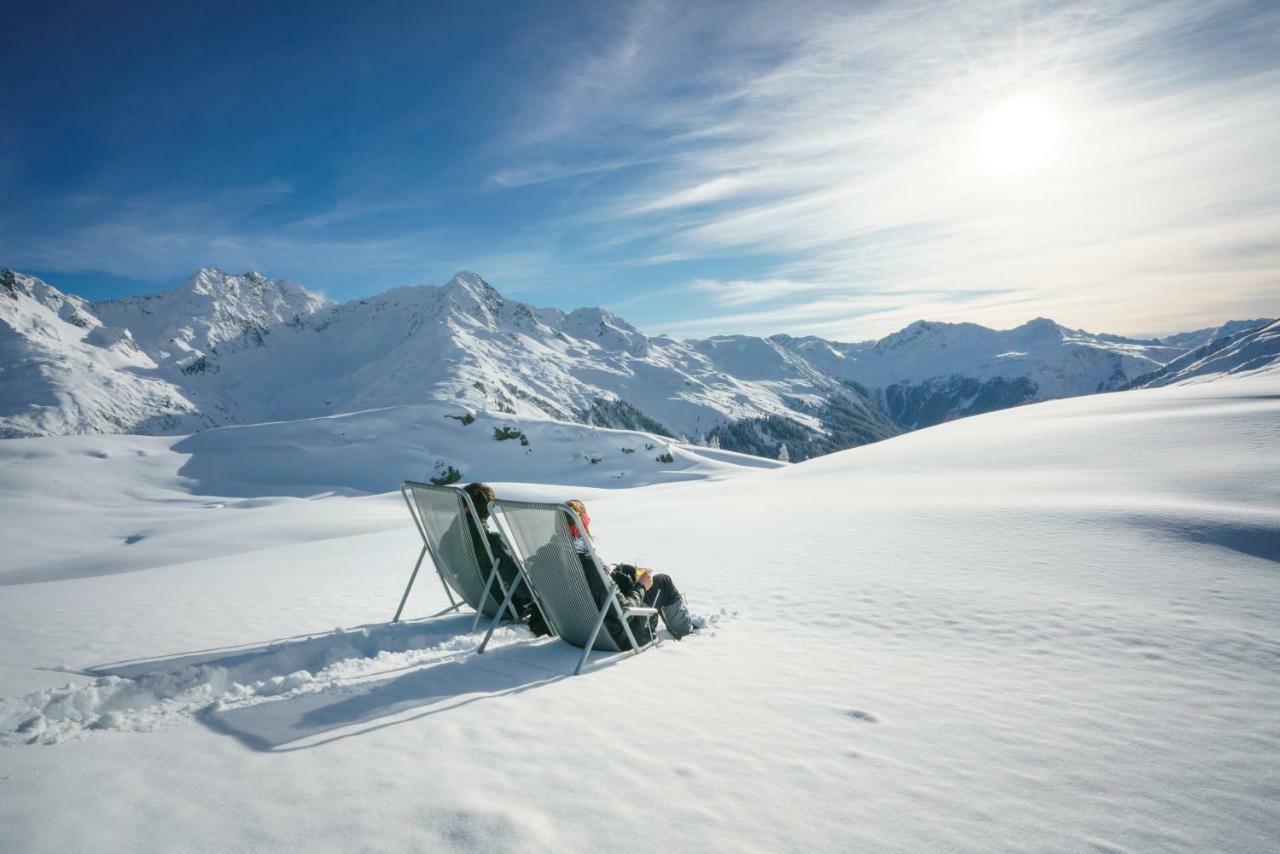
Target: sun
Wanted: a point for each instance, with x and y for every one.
(1020, 135)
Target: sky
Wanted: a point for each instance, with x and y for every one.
(839, 169)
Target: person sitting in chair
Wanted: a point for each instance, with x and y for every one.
(636, 585)
(481, 494)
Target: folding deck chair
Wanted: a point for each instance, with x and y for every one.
(443, 515)
(549, 565)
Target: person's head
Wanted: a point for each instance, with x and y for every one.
(581, 509)
(480, 494)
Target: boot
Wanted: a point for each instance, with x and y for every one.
(677, 618)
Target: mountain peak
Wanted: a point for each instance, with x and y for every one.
(20, 286)
(595, 315)
(1041, 327)
(471, 295)
(472, 283)
(15, 284)
(210, 281)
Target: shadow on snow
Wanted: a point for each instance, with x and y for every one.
(339, 709)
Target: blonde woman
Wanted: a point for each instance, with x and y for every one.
(636, 586)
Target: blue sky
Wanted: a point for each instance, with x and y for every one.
(838, 168)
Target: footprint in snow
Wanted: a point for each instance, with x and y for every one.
(864, 717)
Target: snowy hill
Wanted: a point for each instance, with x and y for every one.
(1237, 351)
(62, 371)
(224, 350)
(933, 372)
(1049, 628)
(1192, 340)
(213, 308)
(237, 350)
(331, 462)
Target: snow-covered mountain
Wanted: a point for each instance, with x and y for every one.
(1201, 337)
(213, 308)
(1239, 349)
(63, 371)
(225, 349)
(245, 349)
(933, 372)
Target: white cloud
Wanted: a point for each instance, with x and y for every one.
(741, 292)
(835, 145)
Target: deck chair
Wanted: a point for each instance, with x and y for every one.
(549, 565)
(443, 515)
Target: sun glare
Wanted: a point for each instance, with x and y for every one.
(1019, 135)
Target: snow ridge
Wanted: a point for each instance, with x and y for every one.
(229, 349)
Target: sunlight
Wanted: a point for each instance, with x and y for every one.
(1019, 135)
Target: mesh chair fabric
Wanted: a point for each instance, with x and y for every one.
(540, 534)
(442, 513)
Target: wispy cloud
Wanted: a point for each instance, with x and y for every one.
(836, 146)
(156, 237)
(742, 292)
(715, 167)
(543, 173)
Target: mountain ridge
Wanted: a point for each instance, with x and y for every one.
(235, 349)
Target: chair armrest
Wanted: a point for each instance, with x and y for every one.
(638, 611)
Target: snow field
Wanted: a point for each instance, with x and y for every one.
(137, 502)
(1046, 629)
(141, 696)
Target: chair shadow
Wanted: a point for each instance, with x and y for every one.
(313, 720)
(334, 711)
(297, 652)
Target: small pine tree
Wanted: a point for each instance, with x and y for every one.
(783, 454)
(714, 441)
(448, 476)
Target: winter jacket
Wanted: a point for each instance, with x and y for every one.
(630, 593)
(507, 568)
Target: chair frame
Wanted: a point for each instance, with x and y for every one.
(468, 509)
(612, 600)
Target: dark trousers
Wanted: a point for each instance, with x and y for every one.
(663, 592)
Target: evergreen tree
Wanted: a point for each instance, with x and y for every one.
(783, 454)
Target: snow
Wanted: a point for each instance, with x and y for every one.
(211, 308)
(1049, 628)
(139, 501)
(227, 349)
(1060, 361)
(61, 371)
(1242, 351)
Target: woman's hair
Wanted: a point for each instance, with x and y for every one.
(581, 509)
(481, 494)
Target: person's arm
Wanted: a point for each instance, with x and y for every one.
(632, 591)
(638, 575)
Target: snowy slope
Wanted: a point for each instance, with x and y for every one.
(1192, 340)
(1238, 351)
(1045, 629)
(62, 371)
(464, 342)
(932, 372)
(212, 308)
(279, 466)
(226, 349)
(244, 349)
